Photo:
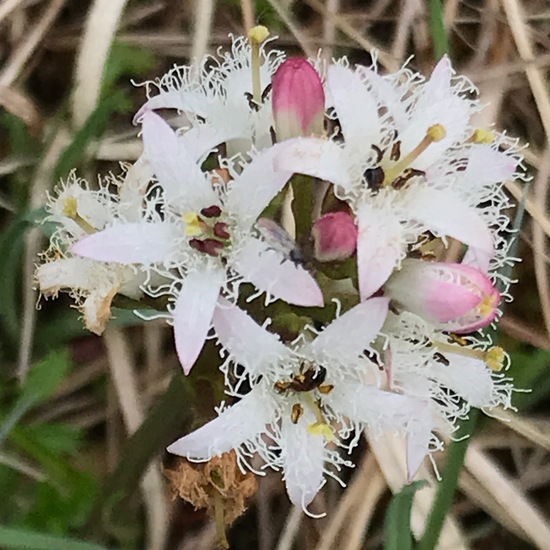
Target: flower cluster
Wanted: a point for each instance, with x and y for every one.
(366, 204)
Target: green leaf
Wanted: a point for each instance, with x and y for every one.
(437, 28)
(93, 128)
(41, 382)
(46, 376)
(13, 538)
(397, 526)
(125, 59)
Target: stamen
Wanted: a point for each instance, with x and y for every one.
(322, 429)
(70, 209)
(297, 412)
(493, 357)
(482, 136)
(256, 36)
(434, 134)
(194, 226)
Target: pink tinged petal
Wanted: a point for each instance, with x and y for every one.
(193, 312)
(250, 344)
(379, 248)
(439, 292)
(303, 458)
(298, 99)
(140, 243)
(352, 332)
(355, 107)
(236, 425)
(468, 377)
(280, 277)
(254, 188)
(176, 169)
(334, 237)
(314, 157)
(445, 214)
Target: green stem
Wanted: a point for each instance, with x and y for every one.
(437, 28)
(302, 206)
(447, 487)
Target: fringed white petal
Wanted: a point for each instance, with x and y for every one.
(303, 459)
(350, 334)
(232, 428)
(468, 377)
(280, 277)
(379, 247)
(355, 107)
(315, 157)
(176, 169)
(77, 273)
(142, 243)
(254, 188)
(250, 344)
(193, 313)
(444, 213)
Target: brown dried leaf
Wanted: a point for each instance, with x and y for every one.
(202, 484)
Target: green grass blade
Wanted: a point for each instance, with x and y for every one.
(397, 526)
(437, 28)
(12, 538)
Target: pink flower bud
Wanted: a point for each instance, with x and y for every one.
(454, 297)
(334, 237)
(298, 100)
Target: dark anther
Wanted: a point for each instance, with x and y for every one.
(220, 230)
(440, 358)
(374, 177)
(395, 153)
(400, 182)
(251, 102)
(211, 211)
(212, 247)
(266, 92)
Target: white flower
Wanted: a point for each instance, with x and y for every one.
(204, 239)
(308, 399)
(214, 95)
(452, 375)
(408, 153)
(77, 211)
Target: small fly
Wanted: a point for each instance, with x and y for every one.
(278, 239)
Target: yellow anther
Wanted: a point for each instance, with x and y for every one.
(257, 34)
(70, 208)
(487, 306)
(322, 429)
(436, 132)
(494, 358)
(193, 224)
(481, 135)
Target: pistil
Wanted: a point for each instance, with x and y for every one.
(256, 36)
(493, 357)
(70, 209)
(434, 134)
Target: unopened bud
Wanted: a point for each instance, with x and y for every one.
(298, 100)
(334, 237)
(454, 297)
